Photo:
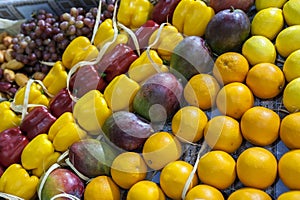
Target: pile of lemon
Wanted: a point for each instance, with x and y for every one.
(267, 68)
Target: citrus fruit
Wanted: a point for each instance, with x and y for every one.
(203, 191)
(247, 193)
(259, 49)
(201, 91)
(234, 99)
(265, 80)
(230, 67)
(174, 176)
(188, 123)
(261, 4)
(289, 195)
(127, 169)
(223, 133)
(291, 95)
(288, 40)
(102, 188)
(291, 66)
(160, 149)
(260, 126)
(289, 169)
(291, 12)
(290, 130)
(146, 190)
(217, 168)
(256, 167)
(267, 22)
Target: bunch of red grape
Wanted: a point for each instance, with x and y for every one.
(45, 36)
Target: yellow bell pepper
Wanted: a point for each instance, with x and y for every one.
(120, 92)
(64, 132)
(56, 79)
(191, 17)
(80, 49)
(91, 111)
(134, 13)
(8, 118)
(16, 181)
(142, 68)
(105, 33)
(36, 152)
(47, 163)
(36, 95)
(168, 40)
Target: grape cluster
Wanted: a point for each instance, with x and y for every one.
(44, 37)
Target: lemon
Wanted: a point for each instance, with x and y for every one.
(291, 12)
(291, 66)
(288, 40)
(217, 168)
(146, 190)
(267, 22)
(291, 96)
(261, 4)
(259, 49)
(204, 191)
(248, 193)
(289, 195)
(289, 169)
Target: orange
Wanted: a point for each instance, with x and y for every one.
(160, 149)
(256, 167)
(188, 123)
(127, 169)
(174, 176)
(247, 193)
(102, 188)
(223, 133)
(217, 168)
(289, 169)
(289, 195)
(290, 130)
(146, 190)
(260, 126)
(291, 93)
(234, 99)
(201, 91)
(265, 80)
(203, 191)
(230, 67)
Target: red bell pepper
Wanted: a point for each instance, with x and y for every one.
(116, 62)
(36, 122)
(86, 79)
(61, 103)
(163, 11)
(2, 169)
(143, 34)
(12, 143)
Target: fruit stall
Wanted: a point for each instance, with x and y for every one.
(140, 99)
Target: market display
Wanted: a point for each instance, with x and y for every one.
(179, 99)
